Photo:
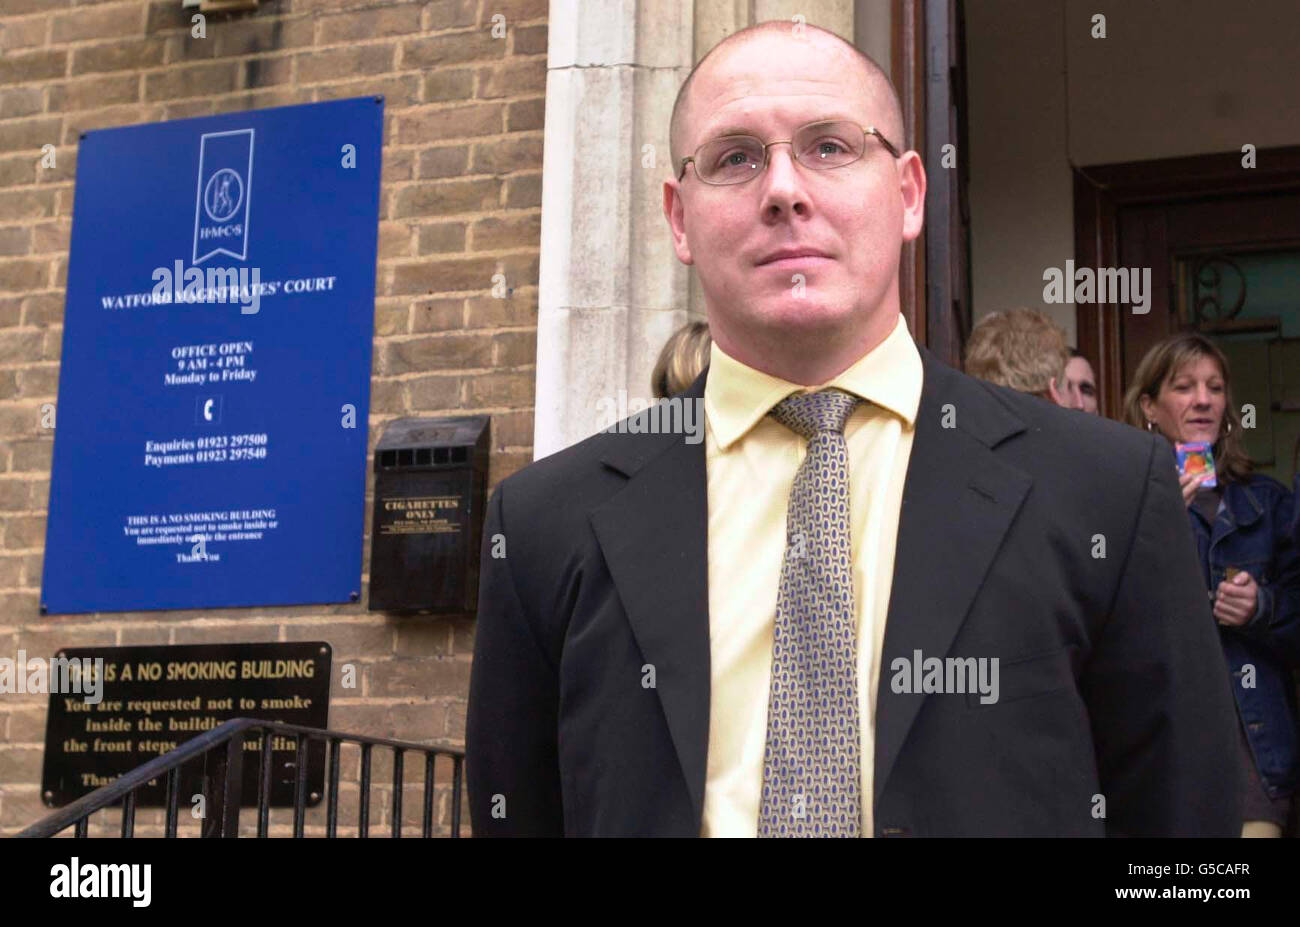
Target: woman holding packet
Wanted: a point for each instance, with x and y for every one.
(1244, 526)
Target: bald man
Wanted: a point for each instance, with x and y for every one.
(880, 598)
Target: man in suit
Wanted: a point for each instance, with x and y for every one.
(741, 636)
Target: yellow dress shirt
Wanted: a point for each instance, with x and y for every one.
(751, 460)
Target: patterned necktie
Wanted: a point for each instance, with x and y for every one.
(811, 765)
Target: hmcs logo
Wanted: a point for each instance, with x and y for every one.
(223, 200)
(224, 195)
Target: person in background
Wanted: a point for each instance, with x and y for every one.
(684, 356)
(1080, 383)
(1243, 525)
(1022, 349)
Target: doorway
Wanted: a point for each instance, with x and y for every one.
(1222, 242)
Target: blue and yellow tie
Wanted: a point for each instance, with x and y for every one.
(811, 765)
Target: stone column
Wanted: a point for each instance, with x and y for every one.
(611, 290)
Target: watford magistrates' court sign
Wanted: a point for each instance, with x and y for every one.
(210, 441)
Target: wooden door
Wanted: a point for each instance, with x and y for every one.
(929, 72)
(1158, 215)
(947, 210)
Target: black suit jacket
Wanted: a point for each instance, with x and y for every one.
(1115, 714)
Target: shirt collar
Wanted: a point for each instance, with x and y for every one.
(736, 396)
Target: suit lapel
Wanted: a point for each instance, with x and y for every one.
(959, 499)
(654, 536)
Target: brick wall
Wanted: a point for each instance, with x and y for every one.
(460, 202)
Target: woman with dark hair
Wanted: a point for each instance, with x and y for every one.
(1243, 531)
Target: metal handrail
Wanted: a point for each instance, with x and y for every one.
(226, 782)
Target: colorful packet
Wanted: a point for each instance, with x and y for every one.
(1196, 457)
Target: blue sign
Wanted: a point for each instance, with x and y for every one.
(210, 432)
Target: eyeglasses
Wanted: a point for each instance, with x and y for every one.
(820, 146)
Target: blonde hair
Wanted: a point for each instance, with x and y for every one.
(684, 356)
(1019, 348)
(1161, 364)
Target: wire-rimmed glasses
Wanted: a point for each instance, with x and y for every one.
(820, 146)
